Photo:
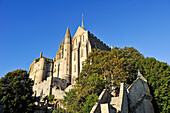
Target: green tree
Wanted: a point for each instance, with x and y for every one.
(101, 68)
(110, 68)
(16, 92)
(158, 76)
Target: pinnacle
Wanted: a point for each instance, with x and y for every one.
(68, 31)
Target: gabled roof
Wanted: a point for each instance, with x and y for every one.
(79, 31)
(139, 77)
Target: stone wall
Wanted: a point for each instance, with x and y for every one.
(79, 52)
(43, 88)
(105, 97)
(59, 83)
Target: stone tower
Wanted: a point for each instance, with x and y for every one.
(67, 56)
(55, 75)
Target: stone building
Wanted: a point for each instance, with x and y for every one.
(55, 75)
(134, 98)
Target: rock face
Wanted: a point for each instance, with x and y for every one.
(134, 99)
(55, 75)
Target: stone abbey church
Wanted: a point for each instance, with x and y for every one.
(55, 75)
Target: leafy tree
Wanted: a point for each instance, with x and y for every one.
(59, 110)
(158, 76)
(109, 68)
(89, 103)
(16, 92)
(101, 68)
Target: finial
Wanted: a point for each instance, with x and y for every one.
(139, 72)
(41, 55)
(82, 25)
(140, 76)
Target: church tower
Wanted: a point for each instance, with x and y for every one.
(67, 56)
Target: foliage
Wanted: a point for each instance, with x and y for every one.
(89, 103)
(51, 97)
(158, 76)
(59, 110)
(16, 92)
(78, 97)
(101, 68)
(110, 68)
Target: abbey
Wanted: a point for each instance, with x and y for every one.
(55, 75)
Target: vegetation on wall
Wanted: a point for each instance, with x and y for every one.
(108, 68)
(16, 92)
(51, 97)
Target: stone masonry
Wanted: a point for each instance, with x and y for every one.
(55, 75)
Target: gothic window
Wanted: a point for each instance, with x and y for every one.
(83, 38)
(74, 68)
(74, 56)
(81, 52)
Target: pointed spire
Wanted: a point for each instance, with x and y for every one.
(82, 24)
(68, 31)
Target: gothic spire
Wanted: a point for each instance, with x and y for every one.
(82, 25)
(68, 31)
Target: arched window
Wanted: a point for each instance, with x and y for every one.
(81, 52)
(83, 37)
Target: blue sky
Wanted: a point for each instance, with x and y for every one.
(28, 27)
